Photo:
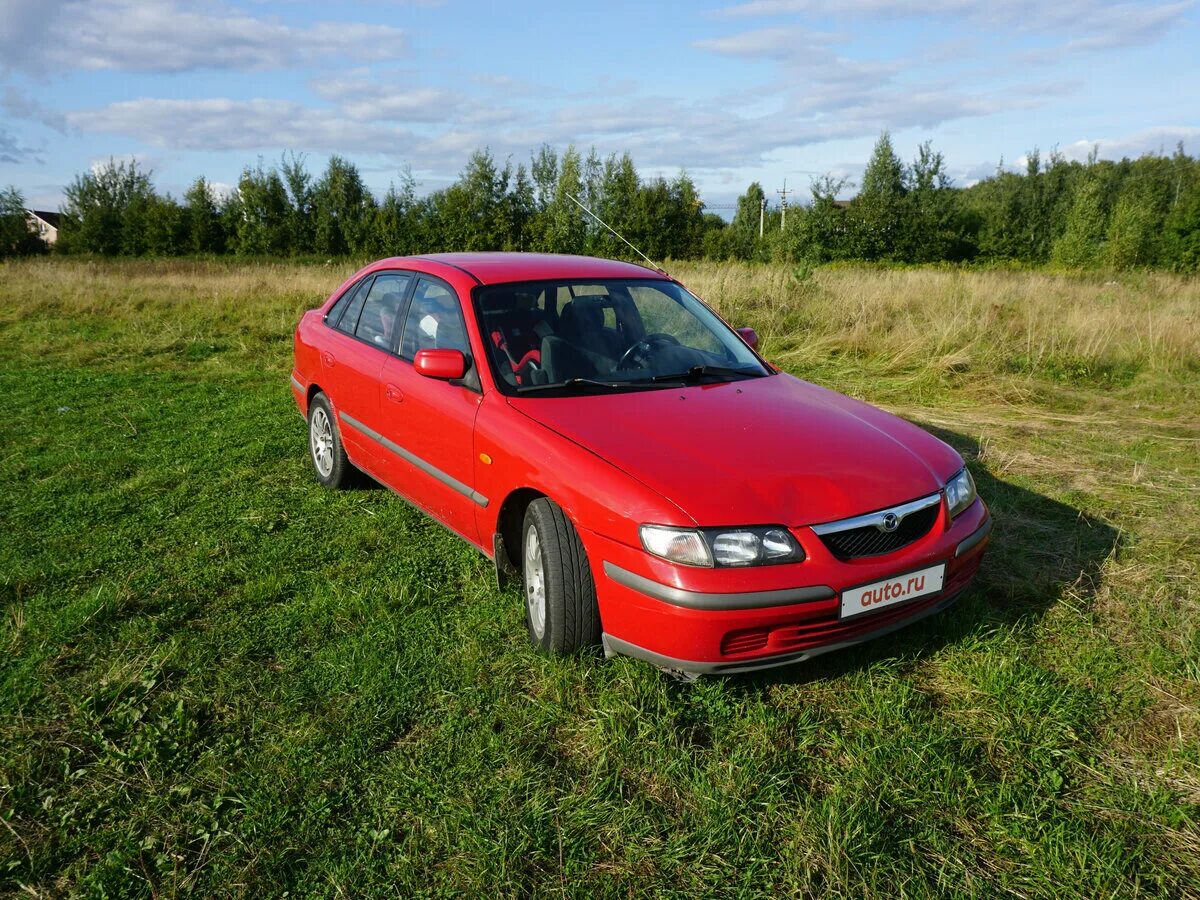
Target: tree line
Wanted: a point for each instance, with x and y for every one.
(1126, 214)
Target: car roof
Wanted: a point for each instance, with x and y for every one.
(499, 268)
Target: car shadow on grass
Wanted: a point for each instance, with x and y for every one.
(1040, 550)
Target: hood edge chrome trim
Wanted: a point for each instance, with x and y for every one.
(903, 511)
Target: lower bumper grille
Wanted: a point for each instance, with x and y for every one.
(832, 630)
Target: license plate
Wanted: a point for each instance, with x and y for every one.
(870, 597)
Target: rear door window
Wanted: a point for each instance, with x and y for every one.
(377, 324)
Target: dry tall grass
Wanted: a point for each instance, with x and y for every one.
(959, 321)
(896, 321)
(125, 310)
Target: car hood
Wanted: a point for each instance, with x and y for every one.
(773, 450)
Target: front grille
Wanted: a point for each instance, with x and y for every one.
(871, 541)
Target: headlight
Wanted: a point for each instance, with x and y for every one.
(960, 492)
(727, 547)
(752, 546)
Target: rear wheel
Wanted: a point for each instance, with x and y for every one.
(560, 595)
(330, 463)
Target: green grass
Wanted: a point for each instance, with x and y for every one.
(218, 678)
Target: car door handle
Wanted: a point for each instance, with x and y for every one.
(327, 357)
(393, 393)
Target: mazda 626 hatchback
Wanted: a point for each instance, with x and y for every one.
(654, 484)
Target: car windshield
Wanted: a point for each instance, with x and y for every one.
(602, 336)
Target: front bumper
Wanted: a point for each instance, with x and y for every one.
(737, 620)
(617, 647)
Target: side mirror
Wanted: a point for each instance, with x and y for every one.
(750, 336)
(444, 364)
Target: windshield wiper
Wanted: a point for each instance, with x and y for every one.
(576, 384)
(697, 372)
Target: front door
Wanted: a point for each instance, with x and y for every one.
(428, 424)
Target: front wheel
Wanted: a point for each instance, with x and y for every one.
(560, 595)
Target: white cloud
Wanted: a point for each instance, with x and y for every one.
(965, 176)
(175, 36)
(224, 124)
(831, 96)
(1087, 24)
(1121, 25)
(431, 128)
(822, 93)
(505, 83)
(1022, 13)
(378, 99)
(781, 43)
(24, 29)
(1160, 139)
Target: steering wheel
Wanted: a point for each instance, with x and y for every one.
(642, 347)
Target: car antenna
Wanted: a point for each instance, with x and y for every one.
(614, 232)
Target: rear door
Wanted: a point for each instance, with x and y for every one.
(427, 423)
(353, 360)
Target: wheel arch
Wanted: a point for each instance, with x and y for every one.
(506, 542)
(313, 390)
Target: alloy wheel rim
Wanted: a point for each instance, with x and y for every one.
(535, 583)
(321, 440)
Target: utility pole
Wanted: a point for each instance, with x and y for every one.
(783, 206)
(762, 214)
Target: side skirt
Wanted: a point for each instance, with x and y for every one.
(458, 534)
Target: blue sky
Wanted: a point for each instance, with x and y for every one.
(731, 90)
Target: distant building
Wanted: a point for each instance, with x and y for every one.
(45, 223)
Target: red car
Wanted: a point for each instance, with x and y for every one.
(654, 483)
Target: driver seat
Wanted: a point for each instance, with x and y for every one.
(582, 323)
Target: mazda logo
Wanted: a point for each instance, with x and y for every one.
(890, 522)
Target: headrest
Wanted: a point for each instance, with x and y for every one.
(585, 313)
(391, 293)
(591, 301)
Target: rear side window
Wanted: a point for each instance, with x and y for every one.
(339, 307)
(349, 319)
(377, 323)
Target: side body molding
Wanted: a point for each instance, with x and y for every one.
(428, 468)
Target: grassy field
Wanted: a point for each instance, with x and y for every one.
(218, 678)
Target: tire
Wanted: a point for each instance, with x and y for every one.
(560, 595)
(325, 451)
